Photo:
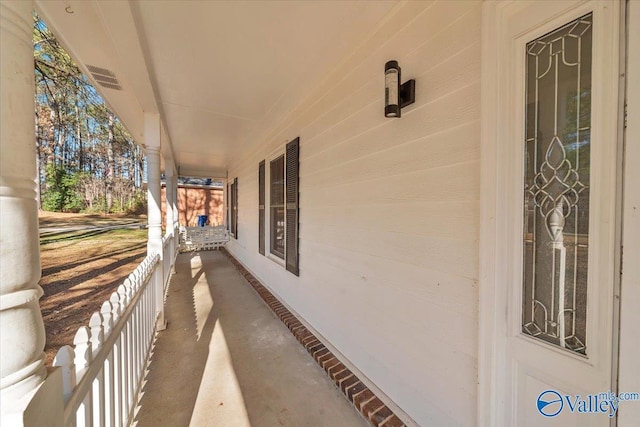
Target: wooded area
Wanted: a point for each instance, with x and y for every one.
(86, 159)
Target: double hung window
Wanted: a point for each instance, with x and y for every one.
(282, 222)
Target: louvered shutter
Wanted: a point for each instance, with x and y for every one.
(292, 208)
(235, 208)
(229, 207)
(261, 202)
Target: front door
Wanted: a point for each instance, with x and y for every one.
(556, 129)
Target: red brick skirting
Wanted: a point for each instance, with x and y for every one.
(365, 401)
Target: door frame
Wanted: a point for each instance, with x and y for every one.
(495, 239)
(629, 339)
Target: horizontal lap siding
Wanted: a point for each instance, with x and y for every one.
(389, 213)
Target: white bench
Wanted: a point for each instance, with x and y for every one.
(203, 238)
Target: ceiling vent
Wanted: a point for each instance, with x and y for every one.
(104, 77)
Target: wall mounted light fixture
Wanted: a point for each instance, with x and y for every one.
(396, 95)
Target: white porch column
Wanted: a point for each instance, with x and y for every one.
(176, 222)
(176, 213)
(225, 203)
(154, 213)
(169, 193)
(169, 221)
(22, 336)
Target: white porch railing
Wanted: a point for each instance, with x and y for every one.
(203, 238)
(102, 376)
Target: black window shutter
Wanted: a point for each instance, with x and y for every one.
(229, 207)
(292, 205)
(235, 208)
(261, 207)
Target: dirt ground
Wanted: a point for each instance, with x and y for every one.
(60, 219)
(80, 270)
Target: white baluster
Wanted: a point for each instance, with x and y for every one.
(117, 361)
(131, 344)
(115, 308)
(107, 326)
(97, 338)
(97, 335)
(82, 342)
(64, 360)
(143, 319)
(124, 358)
(128, 282)
(135, 275)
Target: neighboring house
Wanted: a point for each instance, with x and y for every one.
(194, 200)
(462, 259)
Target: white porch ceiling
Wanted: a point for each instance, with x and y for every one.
(219, 73)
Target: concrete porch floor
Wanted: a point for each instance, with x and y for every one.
(226, 360)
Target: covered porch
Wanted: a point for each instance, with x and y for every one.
(227, 360)
(386, 238)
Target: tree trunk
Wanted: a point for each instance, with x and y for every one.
(111, 164)
(79, 139)
(60, 145)
(90, 142)
(140, 162)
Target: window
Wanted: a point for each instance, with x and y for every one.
(556, 185)
(276, 178)
(283, 211)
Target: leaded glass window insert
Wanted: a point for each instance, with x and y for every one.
(556, 185)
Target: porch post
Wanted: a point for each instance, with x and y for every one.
(169, 190)
(176, 222)
(169, 222)
(176, 213)
(154, 213)
(22, 335)
(225, 204)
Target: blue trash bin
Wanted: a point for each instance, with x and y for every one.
(202, 220)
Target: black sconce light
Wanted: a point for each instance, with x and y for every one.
(396, 95)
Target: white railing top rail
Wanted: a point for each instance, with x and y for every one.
(103, 332)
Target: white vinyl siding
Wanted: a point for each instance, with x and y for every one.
(389, 212)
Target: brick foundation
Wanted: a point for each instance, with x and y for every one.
(357, 393)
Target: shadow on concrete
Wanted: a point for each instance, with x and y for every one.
(226, 360)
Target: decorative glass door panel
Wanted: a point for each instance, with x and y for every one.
(556, 185)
